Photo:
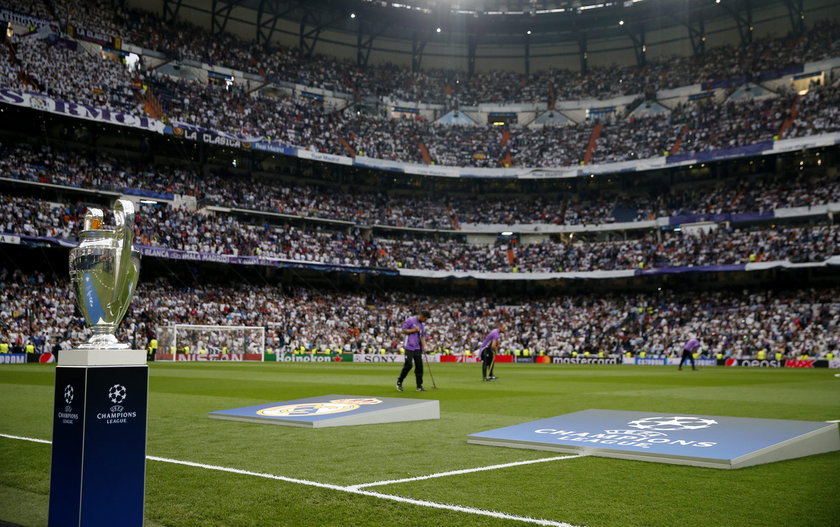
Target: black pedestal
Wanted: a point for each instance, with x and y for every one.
(98, 468)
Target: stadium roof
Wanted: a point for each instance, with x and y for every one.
(506, 19)
(481, 23)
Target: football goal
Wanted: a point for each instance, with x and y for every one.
(200, 342)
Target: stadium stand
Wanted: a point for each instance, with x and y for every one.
(50, 67)
(226, 234)
(97, 170)
(800, 321)
(794, 323)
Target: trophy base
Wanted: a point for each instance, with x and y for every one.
(101, 357)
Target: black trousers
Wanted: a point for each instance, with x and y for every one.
(414, 357)
(487, 361)
(687, 355)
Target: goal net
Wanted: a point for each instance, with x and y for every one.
(198, 342)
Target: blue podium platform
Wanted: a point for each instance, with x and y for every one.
(683, 439)
(335, 410)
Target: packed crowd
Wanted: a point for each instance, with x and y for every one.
(182, 39)
(818, 113)
(73, 168)
(311, 124)
(73, 74)
(162, 226)
(672, 249)
(62, 69)
(41, 310)
(35, 8)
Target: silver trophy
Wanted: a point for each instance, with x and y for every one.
(104, 269)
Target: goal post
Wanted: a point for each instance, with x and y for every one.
(208, 342)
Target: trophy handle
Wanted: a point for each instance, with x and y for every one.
(93, 219)
(122, 240)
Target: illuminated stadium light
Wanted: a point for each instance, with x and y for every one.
(148, 201)
(352, 15)
(412, 7)
(507, 233)
(438, 30)
(621, 22)
(506, 9)
(528, 32)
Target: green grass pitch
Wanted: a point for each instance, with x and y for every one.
(584, 491)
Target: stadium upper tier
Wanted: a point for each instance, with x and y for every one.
(183, 40)
(734, 117)
(735, 324)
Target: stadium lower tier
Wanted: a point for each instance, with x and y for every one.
(735, 324)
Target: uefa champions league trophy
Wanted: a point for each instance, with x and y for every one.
(101, 388)
(104, 269)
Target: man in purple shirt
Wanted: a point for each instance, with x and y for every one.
(487, 352)
(688, 352)
(414, 344)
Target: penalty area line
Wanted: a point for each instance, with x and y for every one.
(349, 490)
(463, 471)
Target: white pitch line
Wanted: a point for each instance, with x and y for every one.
(27, 439)
(462, 471)
(350, 490)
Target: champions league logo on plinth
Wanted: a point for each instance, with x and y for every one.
(101, 389)
(68, 416)
(117, 413)
(116, 394)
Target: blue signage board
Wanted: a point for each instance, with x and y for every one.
(12, 358)
(335, 410)
(701, 440)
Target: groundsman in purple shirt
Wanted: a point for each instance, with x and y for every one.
(487, 352)
(414, 330)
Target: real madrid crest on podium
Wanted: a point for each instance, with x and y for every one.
(101, 388)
